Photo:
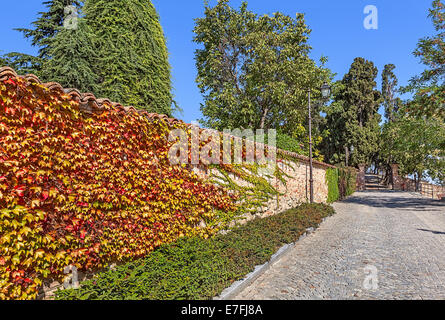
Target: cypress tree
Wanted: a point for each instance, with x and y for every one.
(389, 84)
(361, 101)
(118, 50)
(131, 59)
(354, 120)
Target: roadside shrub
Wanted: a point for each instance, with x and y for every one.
(332, 179)
(196, 268)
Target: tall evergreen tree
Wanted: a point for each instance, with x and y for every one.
(389, 89)
(353, 120)
(116, 50)
(335, 145)
(131, 59)
(392, 105)
(41, 36)
(73, 58)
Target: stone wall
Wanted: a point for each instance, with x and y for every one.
(405, 184)
(295, 190)
(426, 189)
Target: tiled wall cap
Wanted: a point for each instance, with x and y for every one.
(89, 103)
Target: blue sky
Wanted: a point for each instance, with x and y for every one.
(337, 32)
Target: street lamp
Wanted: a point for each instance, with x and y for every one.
(325, 93)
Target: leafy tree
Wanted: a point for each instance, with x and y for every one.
(352, 121)
(416, 138)
(131, 59)
(417, 145)
(45, 28)
(254, 71)
(429, 87)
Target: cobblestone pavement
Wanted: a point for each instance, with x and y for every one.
(379, 245)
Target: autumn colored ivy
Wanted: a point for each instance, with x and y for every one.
(88, 190)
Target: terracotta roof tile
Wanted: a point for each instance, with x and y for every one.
(74, 93)
(32, 78)
(6, 73)
(53, 86)
(89, 103)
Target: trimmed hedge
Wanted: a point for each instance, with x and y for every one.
(332, 179)
(341, 182)
(196, 268)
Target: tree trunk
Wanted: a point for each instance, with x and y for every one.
(388, 177)
(263, 117)
(418, 176)
(347, 156)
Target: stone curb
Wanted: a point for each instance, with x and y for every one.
(238, 286)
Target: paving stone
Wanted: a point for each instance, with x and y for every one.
(400, 236)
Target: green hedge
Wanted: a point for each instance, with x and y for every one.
(197, 269)
(332, 179)
(341, 183)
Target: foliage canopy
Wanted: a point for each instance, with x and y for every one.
(254, 71)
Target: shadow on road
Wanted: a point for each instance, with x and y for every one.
(435, 232)
(395, 200)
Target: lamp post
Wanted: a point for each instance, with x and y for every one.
(326, 93)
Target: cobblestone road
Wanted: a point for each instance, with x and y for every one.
(389, 240)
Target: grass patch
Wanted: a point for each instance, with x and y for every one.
(199, 269)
